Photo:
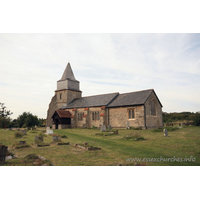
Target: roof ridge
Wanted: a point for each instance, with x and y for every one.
(138, 91)
(100, 95)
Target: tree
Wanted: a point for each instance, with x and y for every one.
(27, 119)
(196, 119)
(5, 120)
(3, 111)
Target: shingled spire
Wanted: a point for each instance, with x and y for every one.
(68, 73)
(68, 81)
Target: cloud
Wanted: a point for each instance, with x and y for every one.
(31, 64)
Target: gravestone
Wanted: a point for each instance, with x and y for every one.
(165, 132)
(38, 138)
(127, 125)
(3, 151)
(49, 132)
(103, 128)
(23, 132)
(109, 127)
(56, 138)
(22, 142)
(48, 128)
(116, 132)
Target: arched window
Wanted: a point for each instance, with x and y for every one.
(153, 108)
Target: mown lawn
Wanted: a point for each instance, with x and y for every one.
(183, 143)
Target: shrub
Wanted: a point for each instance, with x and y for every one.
(63, 136)
(18, 135)
(94, 127)
(136, 128)
(157, 130)
(134, 136)
(31, 157)
(172, 128)
(19, 146)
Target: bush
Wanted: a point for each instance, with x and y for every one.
(19, 146)
(196, 120)
(136, 128)
(94, 127)
(172, 128)
(31, 157)
(18, 135)
(157, 130)
(63, 136)
(134, 136)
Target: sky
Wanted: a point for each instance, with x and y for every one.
(31, 65)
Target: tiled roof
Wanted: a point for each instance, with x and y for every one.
(132, 98)
(63, 114)
(91, 101)
(111, 100)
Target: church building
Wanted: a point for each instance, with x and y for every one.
(68, 109)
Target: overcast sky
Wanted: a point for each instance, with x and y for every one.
(31, 65)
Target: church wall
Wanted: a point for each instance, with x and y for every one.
(87, 119)
(153, 121)
(67, 96)
(67, 84)
(118, 117)
(51, 110)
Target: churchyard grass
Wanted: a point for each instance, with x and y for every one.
(183, 143)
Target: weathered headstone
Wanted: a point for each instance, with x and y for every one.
(116, 132)
(109, 127)
(56, 138)
(48, 128)
(3, 151)
(127, 125)
(22, 142)
(103, 128)
(49, 132)
(165, 132)
(38, 138)
(23, 132)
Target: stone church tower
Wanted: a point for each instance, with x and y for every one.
(67, 90)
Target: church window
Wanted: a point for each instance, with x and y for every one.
(60, 96)
(131, 114)
(95, 116)
(153, 108)
(80, 116)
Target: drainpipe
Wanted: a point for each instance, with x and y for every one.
(145, 117)
(108, 116)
